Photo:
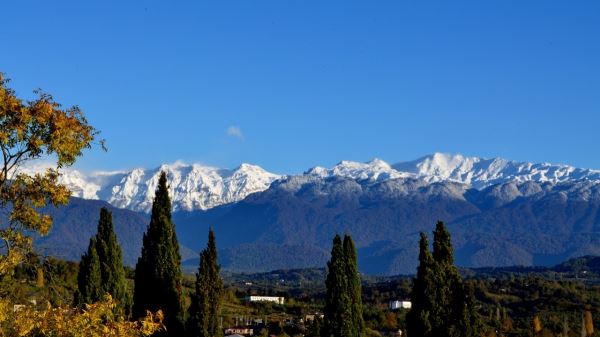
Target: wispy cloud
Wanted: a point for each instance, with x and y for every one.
(235, 131)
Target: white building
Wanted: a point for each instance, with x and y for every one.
(274, 299)
(395, 305)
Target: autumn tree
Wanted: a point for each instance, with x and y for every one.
(31, 130)
(97, 320)
(587, 324)
(158, 279)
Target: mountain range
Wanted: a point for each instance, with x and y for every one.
(200, 187)
(500, 212)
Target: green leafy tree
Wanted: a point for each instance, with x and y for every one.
(205, 307)
(158, 280)
(110, 264)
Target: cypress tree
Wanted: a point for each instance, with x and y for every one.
(111, 261)
(417, 322)
(443, 253)
(158, 279)
(447, 285)
(357, 327)
(205, 307)
(468, 322)
(89, 278)
(343, 303)
(336, 309)
(442, 304)
(101, 268)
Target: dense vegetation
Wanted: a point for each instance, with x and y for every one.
(507, 299)
(442, 304)
(41, 129)
(158, 271)
(101, 270)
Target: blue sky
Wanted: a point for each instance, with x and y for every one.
(293, 84)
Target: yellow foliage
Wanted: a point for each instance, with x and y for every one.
(28, 131)
(537, 324)
(588, 322)
(95, 321)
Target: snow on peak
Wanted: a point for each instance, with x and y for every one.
(480, 172)
(475, 172)
(372, 171)
(191, 187)
(199, 186)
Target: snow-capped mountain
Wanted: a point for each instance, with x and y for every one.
(375, 170)
(475, 172)
(191, 187)
(480, 173)
(203, 187)
(501, 212)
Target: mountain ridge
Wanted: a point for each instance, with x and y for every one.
(201, 187)
(290, 225)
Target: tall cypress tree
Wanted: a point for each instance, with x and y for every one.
(205, 307)
(343, 303)
(442, 304)
(101, 269)
(357, 327)
(443, 253)
(467, 321)
(447, 281)
(336, 309)
(417, 320)
(111, 261)
(89, 278)
(158, 279)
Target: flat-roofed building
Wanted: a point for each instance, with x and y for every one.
(395, 305)
(273, 299)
